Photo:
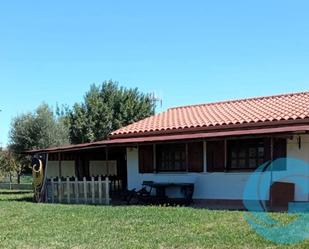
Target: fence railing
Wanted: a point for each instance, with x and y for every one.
(93, 191)
(7, 182)
(16, 186)
(116, 185)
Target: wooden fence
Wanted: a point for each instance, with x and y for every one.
(93, 191)
(116, 185)
(16, 186)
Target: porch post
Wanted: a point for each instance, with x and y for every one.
(225, 155)
(187, 158)
(204, 156)
(271, 168)
(43, 189)
(154, 158)
(59, 163)
(106, 157)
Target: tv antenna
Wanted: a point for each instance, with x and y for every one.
(155, 98)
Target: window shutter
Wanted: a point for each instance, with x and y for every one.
(195, 157)
(145, 158)
(280, 151)
(280, 147)
(267, 149)
(215, 156)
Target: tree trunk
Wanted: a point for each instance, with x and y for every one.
(18, 178)
(10, 181)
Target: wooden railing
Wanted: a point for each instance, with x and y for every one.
(116, 185)
(73, 190)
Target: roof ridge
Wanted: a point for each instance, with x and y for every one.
(239, 100)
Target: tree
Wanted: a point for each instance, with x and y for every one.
(105, 108)
(37, 130)
(9, 164)
(40, 129)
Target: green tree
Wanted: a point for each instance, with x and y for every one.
(105, 108)
(37, 130)
(40, 129)
(9, 164)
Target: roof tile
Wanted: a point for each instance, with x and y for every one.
(253, 110)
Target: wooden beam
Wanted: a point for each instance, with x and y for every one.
(106, 158)
(271, 168)
(187, 158)
(59, 163)
(225, 155)
(154, 158)
(204, 156)
(271, 148)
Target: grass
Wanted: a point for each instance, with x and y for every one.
(30, 225)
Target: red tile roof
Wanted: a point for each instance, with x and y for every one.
(294, 106)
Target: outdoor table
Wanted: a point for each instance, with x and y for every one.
(187, 189)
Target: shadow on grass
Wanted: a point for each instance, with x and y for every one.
(23, 199)
(15, 192)
(16, 195)
(18, 199)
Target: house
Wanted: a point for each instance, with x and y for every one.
(215, 146)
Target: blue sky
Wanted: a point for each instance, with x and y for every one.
(186, 51)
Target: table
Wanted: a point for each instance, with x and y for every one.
(186, 188)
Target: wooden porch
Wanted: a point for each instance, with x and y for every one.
(85, 176)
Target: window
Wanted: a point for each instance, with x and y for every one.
(215, 156)
(171, 157)
(245, 153)
(145, 158)
(195, 157)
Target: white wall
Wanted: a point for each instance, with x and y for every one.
(102, 167)
(52, 169)
(217, 185)
(301, 153)
(67, 169)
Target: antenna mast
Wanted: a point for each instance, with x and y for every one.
(155, 99)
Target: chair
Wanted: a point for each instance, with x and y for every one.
(148, 185)
(128, 195)
(142, 196)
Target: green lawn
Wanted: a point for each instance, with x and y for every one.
(29, 225)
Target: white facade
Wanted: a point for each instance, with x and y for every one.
(217, 185)
(96, 168)
(102, 167)
(67, 169)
